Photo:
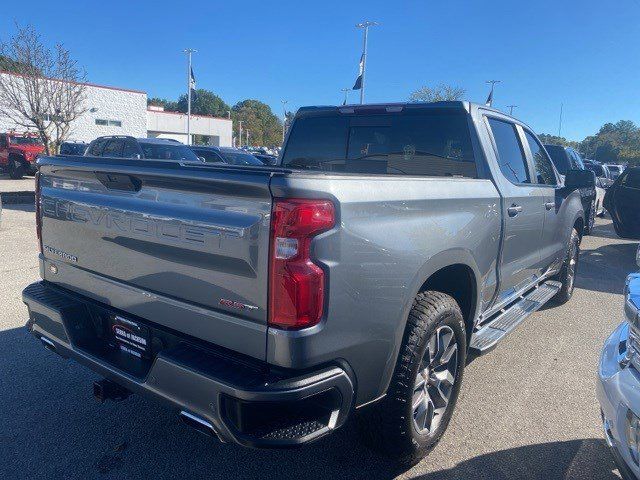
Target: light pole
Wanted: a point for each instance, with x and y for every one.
(560, 122)
(247, 137)
(490, 99)
(511, 107)
(239, 133)
(189, 51)
(365, 25)
(284, 118)
(346, 95)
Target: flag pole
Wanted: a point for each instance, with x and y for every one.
(366, 26)
(189, 51)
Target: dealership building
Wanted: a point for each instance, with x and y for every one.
(120, 111)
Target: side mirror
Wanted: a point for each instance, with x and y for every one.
(576, 179)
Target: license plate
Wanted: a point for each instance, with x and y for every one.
(131, 337)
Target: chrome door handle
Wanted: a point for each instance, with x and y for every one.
(514, 210)
(550, 205)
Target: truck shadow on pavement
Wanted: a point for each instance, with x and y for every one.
(604, 269)
(52, 428)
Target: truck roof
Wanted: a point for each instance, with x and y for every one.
(391, 107)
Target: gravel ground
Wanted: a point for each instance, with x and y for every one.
(526, 410)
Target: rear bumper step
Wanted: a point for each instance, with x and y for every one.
(487, 337)
(242, 403)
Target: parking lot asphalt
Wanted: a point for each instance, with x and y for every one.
(25, 184)
(526, 410)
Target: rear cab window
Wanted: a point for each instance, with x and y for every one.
(427, 142)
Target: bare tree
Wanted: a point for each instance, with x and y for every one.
(439, 93)
(45, 90)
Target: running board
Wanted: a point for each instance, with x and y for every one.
(487, 336)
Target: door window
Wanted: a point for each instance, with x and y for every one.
(632, 179)
(513, 163)
(113, 149)
(541, 163)
(130, 149)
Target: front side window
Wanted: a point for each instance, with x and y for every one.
(113, 148)
(513, 163)
(209, 155)
(423, 143)
(130, 149)
(632, 179)
(541, 163)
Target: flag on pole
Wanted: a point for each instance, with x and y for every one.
(489, 99)
(192, 84)
(358, 84)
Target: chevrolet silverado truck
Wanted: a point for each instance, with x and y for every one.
(268, 304)
(18, 153)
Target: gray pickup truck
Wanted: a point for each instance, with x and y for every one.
(268, 304)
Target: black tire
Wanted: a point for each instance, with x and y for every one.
(391, 426)
(16, 168)
(567, 275)
(590, 218)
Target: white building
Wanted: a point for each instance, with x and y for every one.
(119, 111)
(161, 124)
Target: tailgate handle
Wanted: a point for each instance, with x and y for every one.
(119, 181)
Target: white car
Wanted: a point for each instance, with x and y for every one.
(618, 386)
(600, 191)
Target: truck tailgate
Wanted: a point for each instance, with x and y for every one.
(185, 247)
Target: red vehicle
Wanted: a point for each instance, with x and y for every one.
(18, 153)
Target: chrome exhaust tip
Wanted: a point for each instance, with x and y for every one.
(198, 423)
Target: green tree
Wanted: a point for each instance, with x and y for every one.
(439, 93)
(614, 143)
(549, 139)
(8, 64)
(205, 103)
(264, 127)
(168, 105)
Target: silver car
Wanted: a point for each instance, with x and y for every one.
(618, 388)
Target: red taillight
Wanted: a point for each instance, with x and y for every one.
(38, 211)
(296, 284)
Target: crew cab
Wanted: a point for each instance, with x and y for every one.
(268, 304)
(18, 153)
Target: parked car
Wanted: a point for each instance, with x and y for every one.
(618, 387)
(120, 146)
(602, 172)
(231, 156)
(565, 159)
(73, 148)
(622, 200)
(266, 159)
(269, 304)
(615, 170)
(18, 153)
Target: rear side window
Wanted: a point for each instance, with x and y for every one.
(513, 163)
(413, 143)
(541, 163)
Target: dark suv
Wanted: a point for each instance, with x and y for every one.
(141, 148)
(565, 159)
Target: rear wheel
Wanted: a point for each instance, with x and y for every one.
(567, 275)
(423, 392)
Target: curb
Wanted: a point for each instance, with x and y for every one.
(15, 198)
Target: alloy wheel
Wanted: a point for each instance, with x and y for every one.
(434, 381)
